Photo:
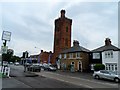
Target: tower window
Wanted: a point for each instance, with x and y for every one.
(66, 28)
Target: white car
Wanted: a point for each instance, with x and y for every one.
(111, 75)
(17, 63)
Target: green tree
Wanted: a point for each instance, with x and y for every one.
(15, 58)
(7, 57)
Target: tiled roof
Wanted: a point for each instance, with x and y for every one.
(105, 48)
(76, 49)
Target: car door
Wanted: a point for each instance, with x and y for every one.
(102, 74)
(108, 75)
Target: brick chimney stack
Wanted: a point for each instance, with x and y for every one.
(107, 42)
(62, 13)
(75, 43)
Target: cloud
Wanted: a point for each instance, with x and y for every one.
(32, 24)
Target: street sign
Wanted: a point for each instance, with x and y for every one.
(6, 35)
(4, 49)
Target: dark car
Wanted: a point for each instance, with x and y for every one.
(34, 68)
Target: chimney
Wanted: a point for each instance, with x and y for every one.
(41, 51)
(62, 13)
(107, 42)
(75, 43)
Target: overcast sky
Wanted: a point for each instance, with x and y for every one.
(32, 23)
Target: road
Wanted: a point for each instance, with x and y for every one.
(57, 79)
(87, 83)
(20, 81)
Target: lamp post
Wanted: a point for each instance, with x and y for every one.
(25, 63)
(6, 36)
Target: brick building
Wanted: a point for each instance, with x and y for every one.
(77, 56)
(45, 57)
(62, 35)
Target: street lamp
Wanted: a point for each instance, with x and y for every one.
(25, 63)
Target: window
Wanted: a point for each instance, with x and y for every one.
(72, 63)
(106, 67)
(70, 55)
(78, 55)
(111, 66)
(115, 67)
(111, 54)
(96, 55)
(105, 55)
(66, 28)
(64, 55)
(108, 54)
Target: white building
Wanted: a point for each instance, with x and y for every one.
(110, 54)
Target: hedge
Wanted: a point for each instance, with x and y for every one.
(98, 67)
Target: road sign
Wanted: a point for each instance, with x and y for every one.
(4, 49)
(6, 35)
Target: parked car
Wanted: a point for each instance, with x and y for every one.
(104, 74)
(5, 63)
(10, 63)
(49, 68)
(17, 63)
(34, 68)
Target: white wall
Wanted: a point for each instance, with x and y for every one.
(110, 60)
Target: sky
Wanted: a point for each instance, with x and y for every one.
(32, 23)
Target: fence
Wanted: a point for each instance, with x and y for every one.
(5, 70)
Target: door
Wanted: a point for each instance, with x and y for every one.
(80, 66)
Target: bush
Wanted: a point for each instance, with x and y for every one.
(98, 67)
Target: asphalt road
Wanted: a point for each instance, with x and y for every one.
(57, 79)
(19, 80)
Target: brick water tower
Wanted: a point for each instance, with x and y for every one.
(62, 34)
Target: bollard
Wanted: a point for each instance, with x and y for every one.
(8, 71)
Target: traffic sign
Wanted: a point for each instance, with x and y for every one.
(4, 49)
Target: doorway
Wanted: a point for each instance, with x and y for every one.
(80, 66)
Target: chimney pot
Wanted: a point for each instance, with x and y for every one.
(107, 42)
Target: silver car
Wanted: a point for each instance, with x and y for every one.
(111, 75)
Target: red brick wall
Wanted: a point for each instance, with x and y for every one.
(44, 57)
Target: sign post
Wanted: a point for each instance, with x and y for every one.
(6, 35)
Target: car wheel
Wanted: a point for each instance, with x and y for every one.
(116, 80)
(97, 77)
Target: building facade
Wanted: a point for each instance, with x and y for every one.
(76, 56)
(109, 53)
(46, 57)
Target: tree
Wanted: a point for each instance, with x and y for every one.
(15, 59)
(7, 57)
